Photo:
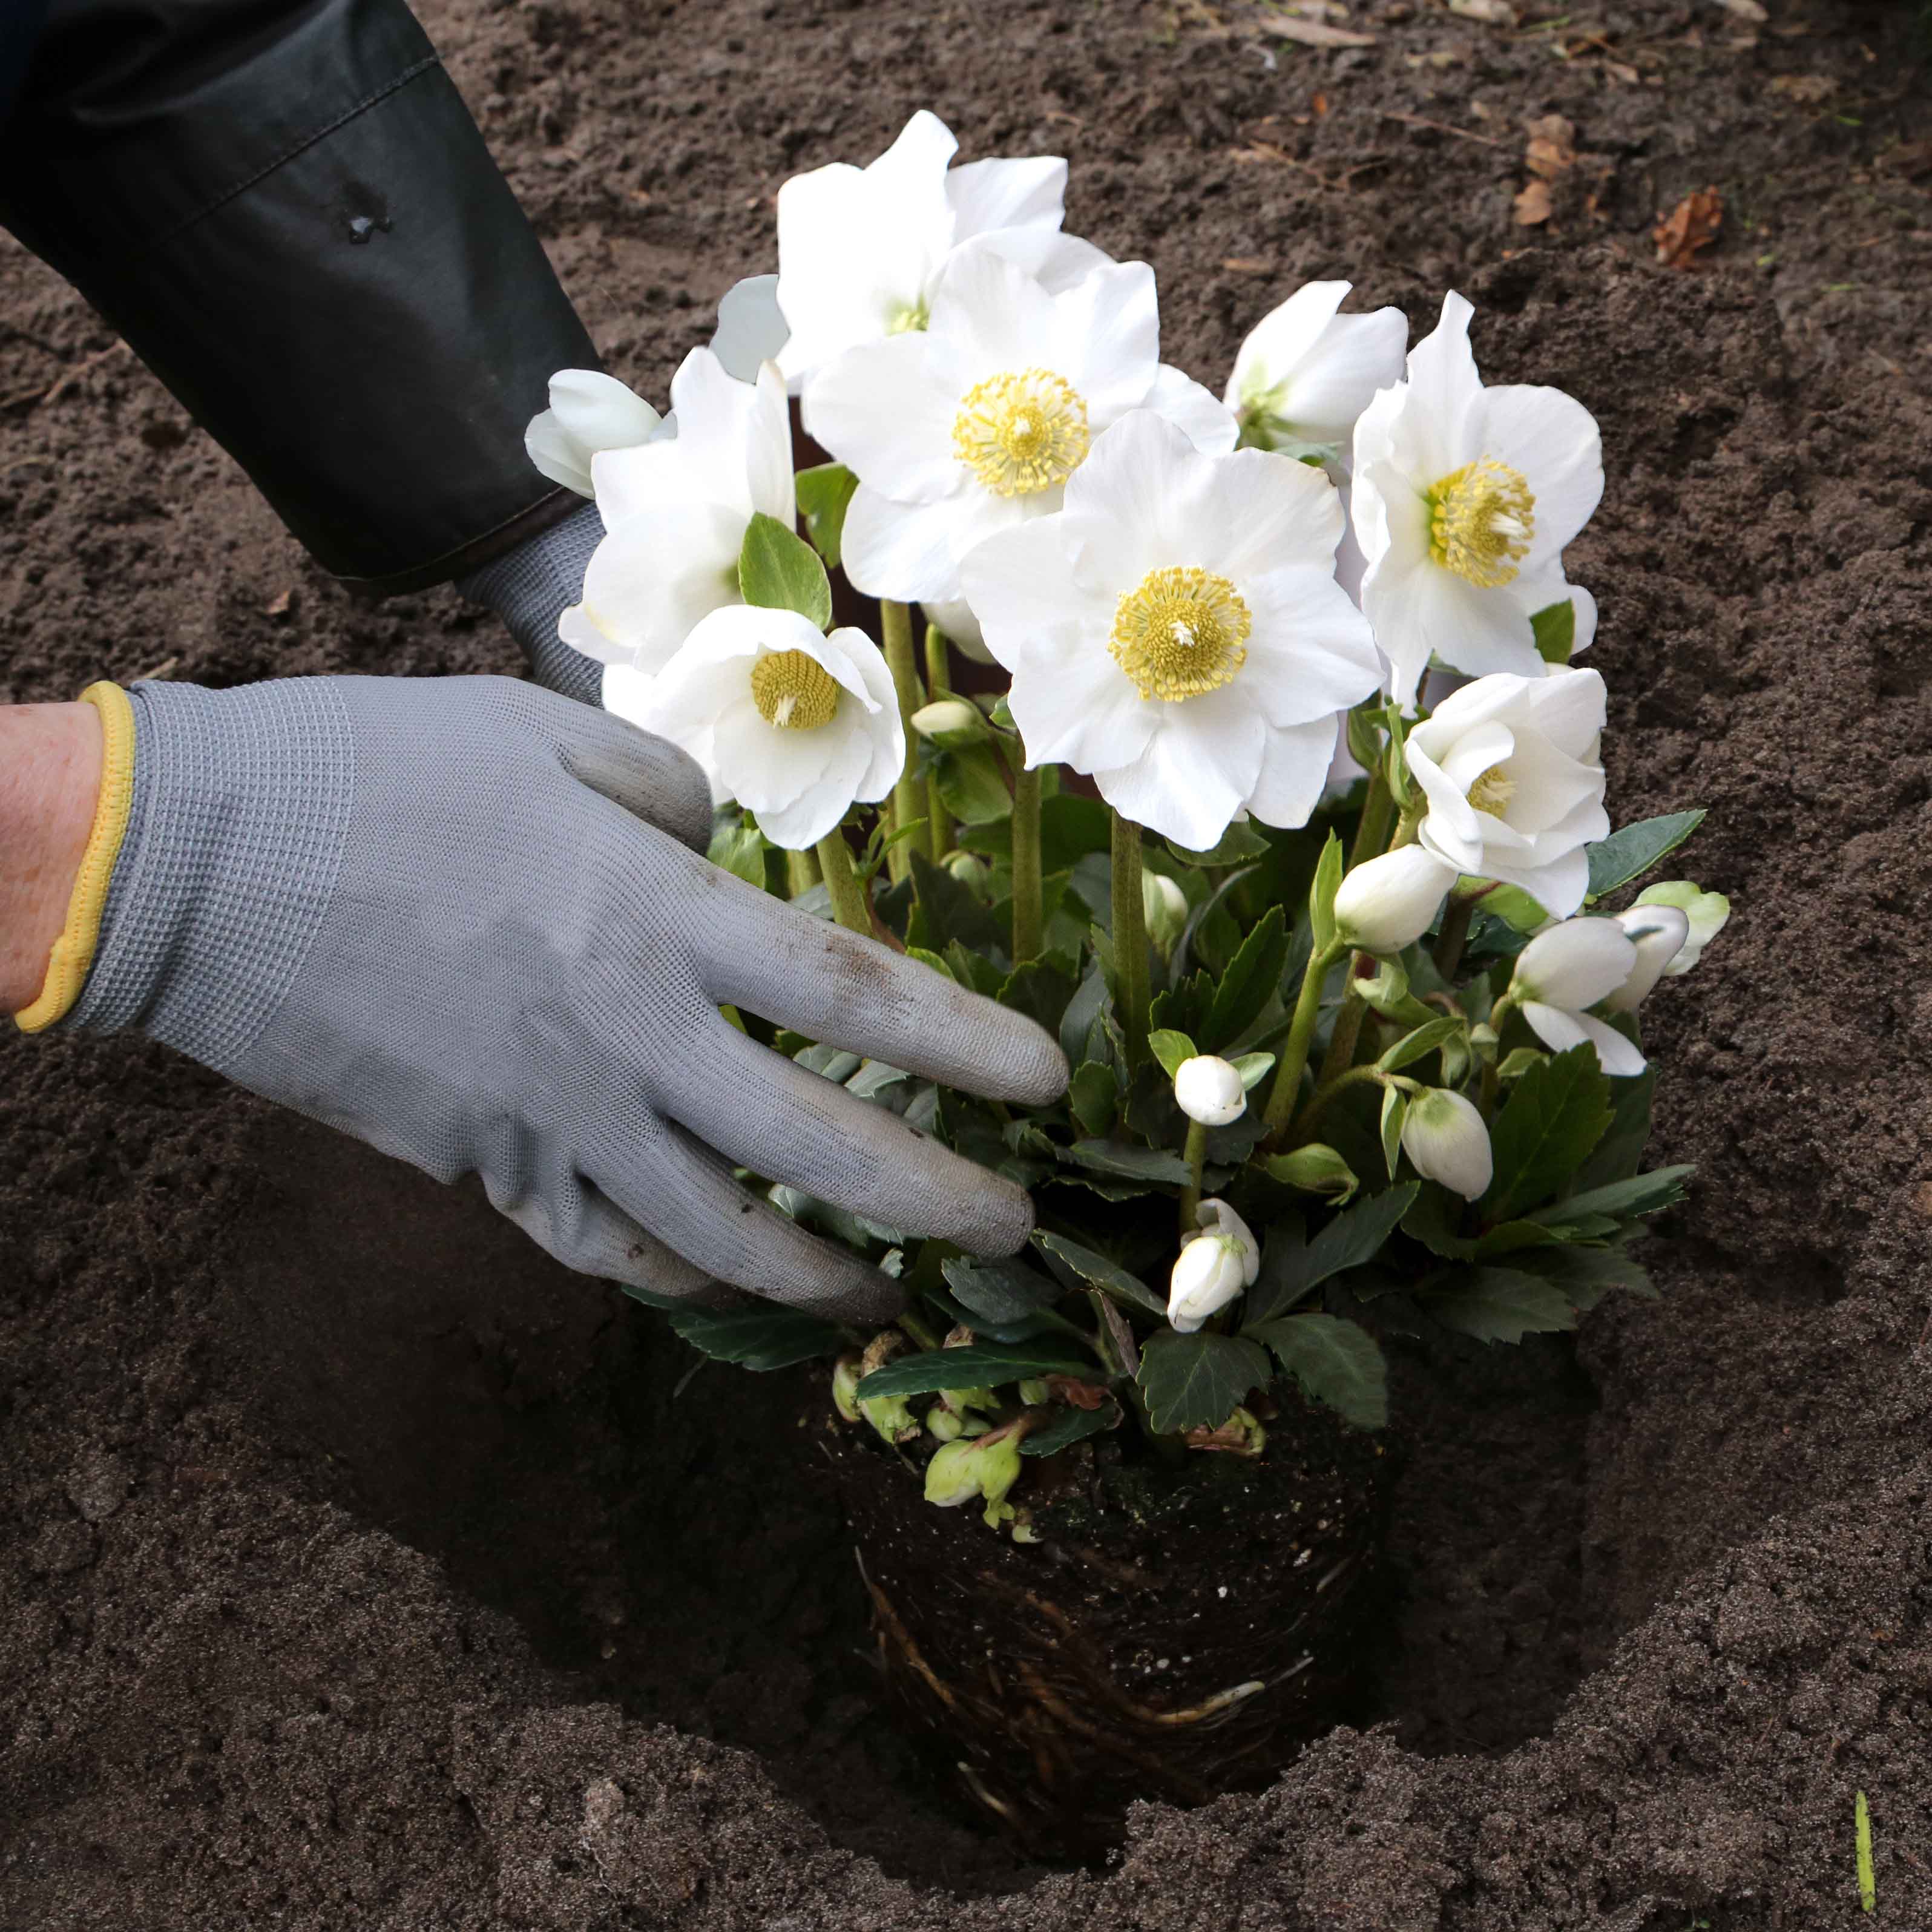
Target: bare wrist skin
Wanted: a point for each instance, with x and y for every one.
(50, 761)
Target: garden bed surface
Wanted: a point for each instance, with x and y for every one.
(360, 1568)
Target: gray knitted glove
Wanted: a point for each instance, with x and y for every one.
(453, 917)
(531, 587)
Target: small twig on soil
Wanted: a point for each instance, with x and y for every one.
(63, 382)
(1441, 127)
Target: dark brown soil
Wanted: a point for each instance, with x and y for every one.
(358, 1568)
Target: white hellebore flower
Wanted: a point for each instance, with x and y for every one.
(1388, 903)
(1210, 1089)
(860, 249)
(795, 725)
(975, 423)
(1567, 969)
(1464, 500)
(675, 515)
(1214, 1266)
(751, 329)
(1305, 373)
(1177, 631)
(1706, 911)
(1659, 933)
(1443, 1135)
(589, 412)
(1510, 768)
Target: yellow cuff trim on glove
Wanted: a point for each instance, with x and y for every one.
(73, 955)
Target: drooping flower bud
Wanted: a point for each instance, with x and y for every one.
(989, 1467)
(1164, 907)
(950, 723)
(1209, 1090)
(589, 412)
(972, 872)
(1658, 932)
(1575, 964)
(1706, 911)
(1445, 1135)
(1214, 1216)
(1209, 1273)
(1388, 903)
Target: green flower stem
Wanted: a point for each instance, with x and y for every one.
(938, 678)
(1411, 818)
(1317, 1104)
(1133, 992)
(1027, 922)
(1378, 818)
(849, 898)
(801, 873)
(916, 1327)
(1347, 1033)
(1197, 1160)
(908, 794)
(1286, 1091)
(1449, 942)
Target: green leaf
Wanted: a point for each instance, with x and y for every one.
(779, 571)
(1336, 1362)
(1197, 1381)
(1170, 1048)
(1586, 1275)
(824, 495)
(1094, 1097)
(1082, 1010)
(1289, 1269)
(1071, 828)
(1100, 1272)
(1069, 1426)
(1497, 1304)
(738, 849)
(1253, 1068)
(1425, 1039)
(951, 912)
(1321, 894)
(980, 1365)
(1131, 1163)
(1554, 1115)
(1039, 990)
(1251, 977)
(1238, 843)
(1641, 1194)
(1633, 849)
(1313, 1169)
(1435, 1221)
(972, 783)
(1556, 628)
(1621, 1150)
(757, 1338)
(1001, 1291)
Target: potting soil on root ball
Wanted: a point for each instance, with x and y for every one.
(358, 1568)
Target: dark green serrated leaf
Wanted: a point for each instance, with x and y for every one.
(1130, 1163)
(1620, 1152)
(1425, 1039)
(950, 911)
(1435, 1220)
(762, 1339)
(1497, 1304)
(1586, 1275)
(1039, 990)
(824, 495)
(1633, 849)
(1082, 1010)
(1094, 1098)
(1555, 626)
(1172, 1049)
(1183, 1008)
(777, 570)
(1251, 977)
(973, 785)
(1003, 1290)
(738, 849)
(1290, 1269)
(1641, 1194)
(1069, 1426)
(1336, 1362)
(980, 1365)
(1098, 1272)
(1197, 1381)
(1554, 1115)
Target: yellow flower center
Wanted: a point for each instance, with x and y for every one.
(1182, 632)
(1481, 519)
(1022, 432)
(1492, 791)
(911, 321)
(793, 691)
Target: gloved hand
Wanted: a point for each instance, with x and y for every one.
(531, 586)
(469, 922)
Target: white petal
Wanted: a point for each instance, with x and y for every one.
(1074, 706)
(1178, 788)
(656, 575)
(1007, 194)
(1446, 392)
(1560, 1030)
(879, 410)
(1250, 513)
(1106, 338)
(1424, 610)
(1558, 886)
(989, 316)
(1275, 346)
(1576, 964)
(1553, 440)
(768, 769)
(1209, 425)
(1310, 653)
(1021, 585)
(954, 616)
(1571, 706)
(911, 551)
(752, 328)
(557, 454)
(1357, 355)
(598, 412)
(1295, 770)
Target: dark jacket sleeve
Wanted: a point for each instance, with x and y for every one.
(286, 209)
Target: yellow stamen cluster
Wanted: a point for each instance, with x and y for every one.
(1481, 519)
(1492, 791)
(1181, 632)
(1022, 432)
(793, 691)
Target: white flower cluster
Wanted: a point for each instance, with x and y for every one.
(1188, 592)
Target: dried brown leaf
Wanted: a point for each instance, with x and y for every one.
(1532, 205)
(1692, 225)
(1810, 89)
(1316, 33)
(280, 607)
(1746, 10)
(1491, 13)
(1553, 146)
(1252, 264)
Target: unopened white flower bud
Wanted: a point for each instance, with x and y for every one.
(950, 723)
(1443, 1135)
(1214, 1216)
(1706, 911)
(1211, 1272)
(1575, 964)
(972, 872)
(1658, 933)
(1164, 907)
(1209, 1090)
(1388, 903)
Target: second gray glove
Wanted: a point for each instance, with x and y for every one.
(462, 919)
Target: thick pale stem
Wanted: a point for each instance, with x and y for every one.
(1027, 913)
(1347, 1033)
(841, 881)
(801, 873)
(1317, 1104)
(1133, 990)
(1196, 1157)
(1371, 829)
(908, 794)
(1449, 942)
(938, 678)
(1287, 1089)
